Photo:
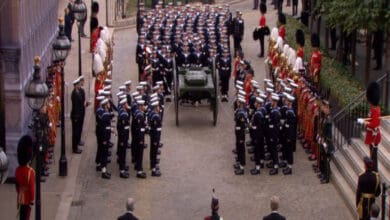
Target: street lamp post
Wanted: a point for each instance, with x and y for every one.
(61, 47)
(36, 93)
(80, 13)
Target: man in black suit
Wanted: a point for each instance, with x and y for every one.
(274, 210)
(129, 213)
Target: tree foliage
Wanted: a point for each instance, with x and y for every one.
(356, 14)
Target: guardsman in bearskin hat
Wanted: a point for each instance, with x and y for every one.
(262, 26)
(25, 178)
(300, 39)
(282, 27)
(373, 135)
(368, 188)
(315, 61)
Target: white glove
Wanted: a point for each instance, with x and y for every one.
(360, 121)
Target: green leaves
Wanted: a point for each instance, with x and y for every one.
(356, 14)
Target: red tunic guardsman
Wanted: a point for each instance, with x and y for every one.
(282, 28)
(315, 61)
(25, 178)
(373, 134)
(300, 39)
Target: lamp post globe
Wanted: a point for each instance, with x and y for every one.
(80, 10)
(36, 90)
(61, 45)
(36, 93)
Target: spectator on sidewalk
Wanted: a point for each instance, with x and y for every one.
(25, 178)
(129, 215)
(274, 210)
(68, 24)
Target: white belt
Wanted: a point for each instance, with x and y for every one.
(127, 127)
(168, 69)
(282, 121)
(238, 128)
(254, 127)
(158, 129)
(267, 116)
(142, 129)
(271, 126)
(286, 125)
(162, 106)
(108, 128)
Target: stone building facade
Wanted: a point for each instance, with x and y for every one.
(27, 28)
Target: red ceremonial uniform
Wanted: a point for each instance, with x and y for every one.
(282, 31)
(373, 134)
(94, 38)
(25, 186)
(315, 65)
(262, 21)
(248, 86)
(300, 52)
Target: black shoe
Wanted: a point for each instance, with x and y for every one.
(160, 145)
(128, 146)
(108, 160)
(158, 152)
(234, 151)
(141, 175)
(145, 146)
(45, 173)
(249, 143)
(267, 157)
(282, 164)
(106, 175)
(109, 153)
(168, 99)
(377, 68)
(110, 144)
(273, 171)
(126, 168)
(239, 171)
(81, 143)
(252, 158)
(158, 160)
(156, 173)
(324, 181)
(251, 151)
(124, 175)
(270, 165)
(287, 171)
(77, 151)
(98, 168)
(255, 171)
(261, 165)
(236, 166)
(43, 179)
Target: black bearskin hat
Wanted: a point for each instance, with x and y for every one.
(373, 93)
(300, 37)
(24, 150)
(94, 23)
(95, 7)
(282, 18)
(263, 8)
(315, 40)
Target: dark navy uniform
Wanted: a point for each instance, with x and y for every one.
(258, 127)
(241, 121)
(123, 128)
(367, 189)
(238, 32)
(155, 135)
(139, 139)
(225, 69)
(77, 117)
(273, 131)
(289, 137)
(168, 71)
